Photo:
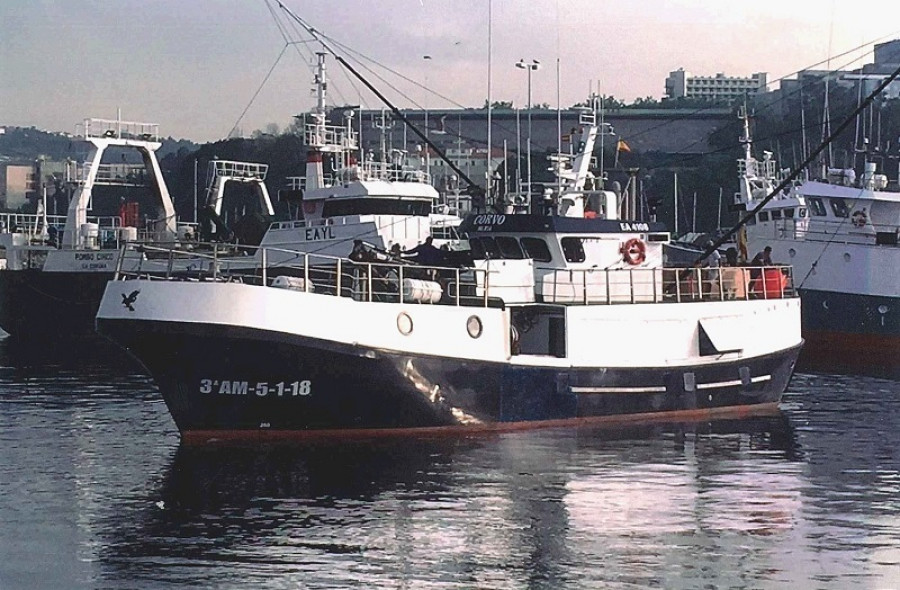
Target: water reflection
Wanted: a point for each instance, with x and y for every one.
(519, 510)
(91, 472)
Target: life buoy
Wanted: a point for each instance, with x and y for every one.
(859, 218)
(634, 251)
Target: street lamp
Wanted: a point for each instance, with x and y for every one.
(529, 67)
(427, 150)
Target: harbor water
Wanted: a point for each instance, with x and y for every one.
(97, 493)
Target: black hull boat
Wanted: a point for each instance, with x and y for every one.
(38, 305)
(850, 333)
(387, 347)
(275, 385)
(562, 315)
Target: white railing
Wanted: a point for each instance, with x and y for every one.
(238, 170)
(296, 183)
(388, 172)
(664, 285)
(28, 223)
(316, 135)
(314, 273)
(386, 280)
(115, 129)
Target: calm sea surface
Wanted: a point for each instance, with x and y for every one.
(95, 492)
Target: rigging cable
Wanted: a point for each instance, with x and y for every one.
(473, 188)
(258, 90)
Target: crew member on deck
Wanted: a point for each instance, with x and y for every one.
(426, 253)
(763, 258)
(731, 257)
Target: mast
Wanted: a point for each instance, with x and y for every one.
(472, 188)
(488, 173)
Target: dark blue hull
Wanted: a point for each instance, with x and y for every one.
(223, 382)
(850, 332)
(37, 305)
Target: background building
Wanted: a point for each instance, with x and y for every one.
(680, 84)
(22, 184)
(16, 184)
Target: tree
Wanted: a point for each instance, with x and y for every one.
(499, 104)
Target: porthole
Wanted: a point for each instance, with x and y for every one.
(882, 309)
(792, 252)
(473, 326)
(846, 257)
(404, 323)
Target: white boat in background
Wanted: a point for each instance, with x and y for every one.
(56, 267)
(840, 233)
(347, 195)
(559, 319)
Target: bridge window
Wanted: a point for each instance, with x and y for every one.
(573, 249)
(509, 248)
(776, 214)
(536, 249)
(376, 206)
(484, 248)
(839, 207)
(816, 207)
(789, 213)
(764, 216)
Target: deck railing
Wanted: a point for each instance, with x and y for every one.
(389, 281)
(312, 273)
(664, 285)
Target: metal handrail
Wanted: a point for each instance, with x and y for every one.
(385, 280)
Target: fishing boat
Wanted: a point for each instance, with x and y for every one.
(57, 266)
(840, 233)
(558, 319)
(348, 195)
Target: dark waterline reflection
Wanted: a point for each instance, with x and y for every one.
(95, 492)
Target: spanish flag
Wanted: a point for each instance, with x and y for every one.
(621, 146)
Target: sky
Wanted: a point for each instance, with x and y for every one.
(198, 68)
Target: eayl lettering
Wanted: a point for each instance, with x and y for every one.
(319, 233)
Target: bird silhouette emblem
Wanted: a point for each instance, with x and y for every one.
(127, 300)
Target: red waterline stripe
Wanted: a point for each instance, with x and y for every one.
(697, 415)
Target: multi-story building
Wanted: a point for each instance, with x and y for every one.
(680, 84)
(16, 184)
(887, 60)
(22, 184)
(864, 79)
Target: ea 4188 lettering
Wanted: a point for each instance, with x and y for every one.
(259, 388)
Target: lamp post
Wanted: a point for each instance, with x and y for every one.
(427, 150)
(529, 67)
(518, 156)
